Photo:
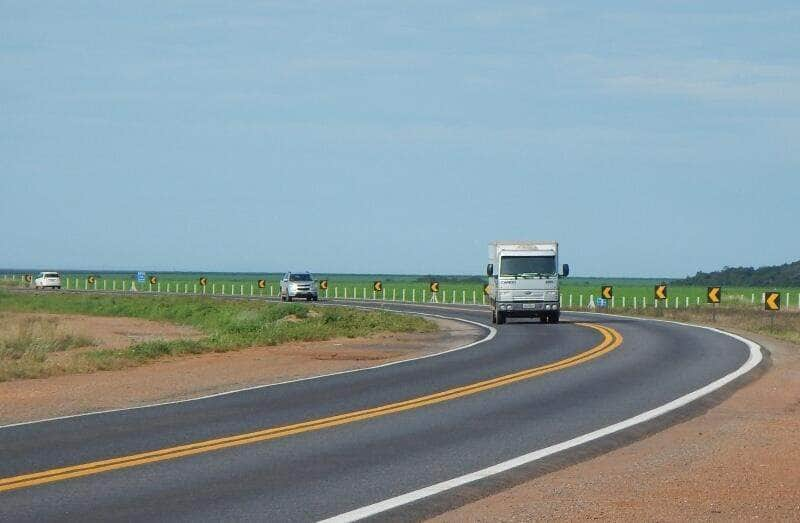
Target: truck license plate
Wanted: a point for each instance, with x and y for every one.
(528, 305)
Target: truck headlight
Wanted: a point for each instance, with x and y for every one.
(552, 295)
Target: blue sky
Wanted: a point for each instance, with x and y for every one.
(650, 139)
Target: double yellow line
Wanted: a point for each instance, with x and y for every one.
(611, 340)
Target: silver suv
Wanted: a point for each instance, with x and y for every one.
(298, 285)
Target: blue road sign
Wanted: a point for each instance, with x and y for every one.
(601, 302)
(140, 277)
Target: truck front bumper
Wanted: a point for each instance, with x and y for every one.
(528, 308)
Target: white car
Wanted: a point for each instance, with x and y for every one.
(298, 285)
(47, 279)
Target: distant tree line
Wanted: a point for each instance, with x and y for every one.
(787, 275)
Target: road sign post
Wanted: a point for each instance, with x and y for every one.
(772, 303)
(714, 297)
(434, 287)
(607, 293)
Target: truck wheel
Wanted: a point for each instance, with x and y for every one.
(501, 317)
(544, 318)
(494, 316)
(555, 318)
(289, 298)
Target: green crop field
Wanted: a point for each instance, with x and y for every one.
(576, 291)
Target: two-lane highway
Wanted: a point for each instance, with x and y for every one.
(323, 447)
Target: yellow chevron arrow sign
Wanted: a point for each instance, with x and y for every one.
(377, 286)
(772, 301)
(434, 286)
(607, 292)
(661, 292)
(714, 294)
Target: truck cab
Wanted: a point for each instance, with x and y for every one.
(524, 280)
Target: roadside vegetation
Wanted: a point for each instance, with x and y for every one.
(25, 348)
(781, 325)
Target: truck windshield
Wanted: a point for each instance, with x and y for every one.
(528, 266)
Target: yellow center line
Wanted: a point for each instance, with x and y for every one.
(611, 340)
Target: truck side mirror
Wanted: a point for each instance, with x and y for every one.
(565, 270)
(490, 270)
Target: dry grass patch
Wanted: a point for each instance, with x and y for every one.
(28, 346)
(783, 325)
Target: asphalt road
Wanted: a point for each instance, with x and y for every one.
(307, 469)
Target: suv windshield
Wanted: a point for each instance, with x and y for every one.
(300, 277)
(528, 266)
(50, 275)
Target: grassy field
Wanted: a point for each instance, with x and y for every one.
(227, 325)
(461, 289)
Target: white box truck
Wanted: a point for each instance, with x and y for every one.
(524, 280)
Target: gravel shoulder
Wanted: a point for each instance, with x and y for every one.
(737, 461)
(193, 376)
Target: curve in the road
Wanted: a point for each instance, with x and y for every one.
(611, 340)
(361, 469)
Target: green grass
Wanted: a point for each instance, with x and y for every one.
(462, 289)
(227, 325)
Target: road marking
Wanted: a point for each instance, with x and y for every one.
(611, 340)
(492, 332)
(752, 362)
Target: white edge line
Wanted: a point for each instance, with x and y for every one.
(492, 333)
(753, 360)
